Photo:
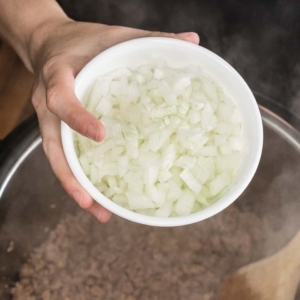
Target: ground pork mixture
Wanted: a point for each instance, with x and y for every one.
(85, 260)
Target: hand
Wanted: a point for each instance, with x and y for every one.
(57, 60)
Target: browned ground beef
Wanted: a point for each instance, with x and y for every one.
(83, 259)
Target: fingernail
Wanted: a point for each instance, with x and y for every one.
(78, 197)
(184, 34)
(99, 214)
(92, 132)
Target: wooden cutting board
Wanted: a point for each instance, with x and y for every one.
(15, 90)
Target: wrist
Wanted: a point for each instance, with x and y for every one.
(39, 39)
(25, 25)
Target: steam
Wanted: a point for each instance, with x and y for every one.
(260, 40)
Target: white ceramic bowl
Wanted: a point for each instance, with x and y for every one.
(136, 52)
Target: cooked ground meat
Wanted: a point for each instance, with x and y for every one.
(84, 260)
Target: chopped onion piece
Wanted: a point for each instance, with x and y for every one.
(218, 184)
(208, 151)
(191, 181)
(164, 175)
(119, 73)
(85, 164)
(225, 149)
(120, 199)
(139, 201)
(93, 173)
(165, 210)
(185, 204)
(158, 74)
(235, 143)
(202, 199)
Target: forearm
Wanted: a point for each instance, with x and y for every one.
(25, 24)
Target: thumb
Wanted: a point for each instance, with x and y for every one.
(62, 101)
(121, 34)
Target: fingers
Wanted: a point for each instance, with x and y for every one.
(191, 37)
(121, 34)
(62, 101)
(101, 214)
(50, 130)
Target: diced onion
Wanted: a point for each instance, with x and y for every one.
(173, 139)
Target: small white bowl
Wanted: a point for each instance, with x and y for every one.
(180, 54)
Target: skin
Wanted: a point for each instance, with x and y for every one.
(55, 48)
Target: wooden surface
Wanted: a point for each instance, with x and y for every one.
(15, 90)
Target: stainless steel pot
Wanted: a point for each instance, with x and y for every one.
(32, 203)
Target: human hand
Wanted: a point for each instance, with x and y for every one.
(63, 50)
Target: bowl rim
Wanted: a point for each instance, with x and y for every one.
(217, 206)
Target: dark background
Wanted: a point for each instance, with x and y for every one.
(261, 39)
